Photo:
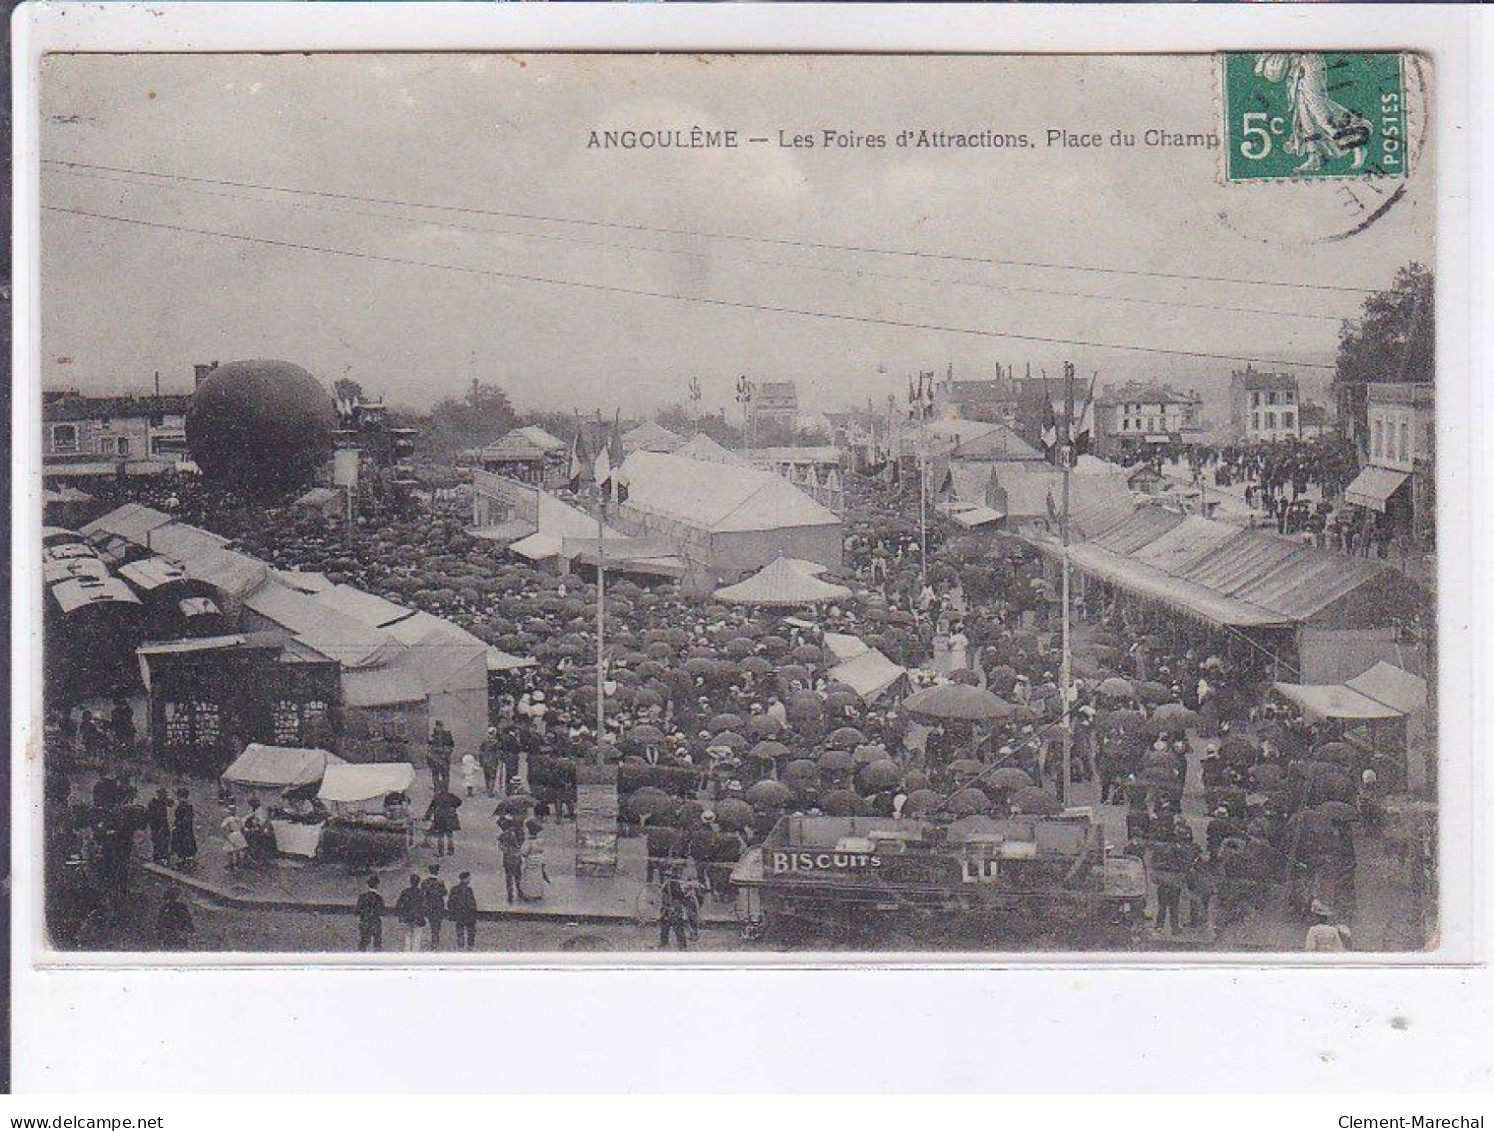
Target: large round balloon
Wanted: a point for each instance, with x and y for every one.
(260, 427)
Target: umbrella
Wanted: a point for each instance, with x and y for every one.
(792, 673)
(1009, 777)
(1337, 811)
(649, 801)
(965, 766)
(840, 803)
(515, 803)
(1176, 715)
(807, 654)
(921, 801)
(700, 666)
(1237, 747)
(734, 814)
(1117, 688)
(1338, 753)
(1149, 691)
(801, 768)
(728, 739)
(965, 676)
(762, 726)
(881, 775)
(959, 702)
(836, 761)
(915, 780)
(1035, 802)
(769, 751)
(841, 700)
(771, 794)
(866, 755)
(755, 665)
(1264, 775)
(968, 802)
(645, 735)
(725, 721)
(844, 738)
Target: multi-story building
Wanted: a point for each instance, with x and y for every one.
(1312, 421)
(1399, 482)
(1263, 407)
(774, 407)
(1140, 413)
(102, 434)
(992, 399)
(530, 455)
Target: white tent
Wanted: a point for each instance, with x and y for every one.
(350, 783)
(870, 674)
(279, 767)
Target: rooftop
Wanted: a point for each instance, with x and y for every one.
(1250, 379)
(76, 406)
(718, 497)
(1145, 392)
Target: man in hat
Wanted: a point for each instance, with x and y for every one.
(433, 902)
(511, 845)
(1326, 936)
(490, 758)
(461, 908)
(370, 908)
(674, 912)
(438, 757)
(410, 907)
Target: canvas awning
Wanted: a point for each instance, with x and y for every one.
(844, 646)
(537, 547)
(1373, 487)
(781, 583)
(501, 661)
(366, 781)
(279, 767)
(1335, 701)
(972, 517)
(870, 674)
(1385, 683)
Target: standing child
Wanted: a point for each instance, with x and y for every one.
(470, 770)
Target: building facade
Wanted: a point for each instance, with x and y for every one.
(774, 407)
(83, 430)
(1399, 481)
(1264, 406)
(1143, 413)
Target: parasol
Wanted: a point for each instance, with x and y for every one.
(954, 701)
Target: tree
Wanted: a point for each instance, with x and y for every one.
(346, 389)
(478, 418)
(1393, 339)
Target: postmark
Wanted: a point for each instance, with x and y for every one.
(1308, 116)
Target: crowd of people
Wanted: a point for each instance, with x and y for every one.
(723, 718)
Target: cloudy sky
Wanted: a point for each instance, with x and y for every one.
(486, 286)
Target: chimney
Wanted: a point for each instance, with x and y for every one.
(158, 384)
(201, 372)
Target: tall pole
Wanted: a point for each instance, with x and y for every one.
(602, 622)
(1065, 670)
(923, 490)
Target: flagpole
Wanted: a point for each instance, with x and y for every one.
(601, 623)
(923, 490)
(1065, 670)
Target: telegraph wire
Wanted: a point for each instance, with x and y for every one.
(606, 288)
(1136, 272)
(852, 272)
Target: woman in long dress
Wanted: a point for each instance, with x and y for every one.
(184, 830)
(534, 876)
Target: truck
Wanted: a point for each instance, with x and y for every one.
(989, 882)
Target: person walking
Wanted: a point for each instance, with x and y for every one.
(443, 820)
(511, 844)
(1326, 936)
(410, 907)
(433, 900)
(532, 874)
(184, 831)
(461, 909)
(438, 755)
(158, 817)
(490, 760)
(673, 913)
(370, 908)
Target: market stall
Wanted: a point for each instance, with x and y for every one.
(369, 819)
(291, 774)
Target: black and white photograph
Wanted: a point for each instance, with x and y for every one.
(736, 507)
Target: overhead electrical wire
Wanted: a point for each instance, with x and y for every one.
(607, 288)
(852, 272)
(817, 245)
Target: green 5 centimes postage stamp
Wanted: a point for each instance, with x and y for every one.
(1305, 115)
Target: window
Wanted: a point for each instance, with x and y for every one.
(1286, 397)
(1288, 420)
(1405, 441)
(1378, 448)
(1255, 400)
(1270, 421)
(64, 437)
(1255, 421)
(1271, 397)
(122, 445)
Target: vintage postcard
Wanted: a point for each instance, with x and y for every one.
(533, 504)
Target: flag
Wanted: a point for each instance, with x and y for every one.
(1050, 426)
(1066, 453)
(1084, 430)
(577, 470)
(601, 470)
(612, 480)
